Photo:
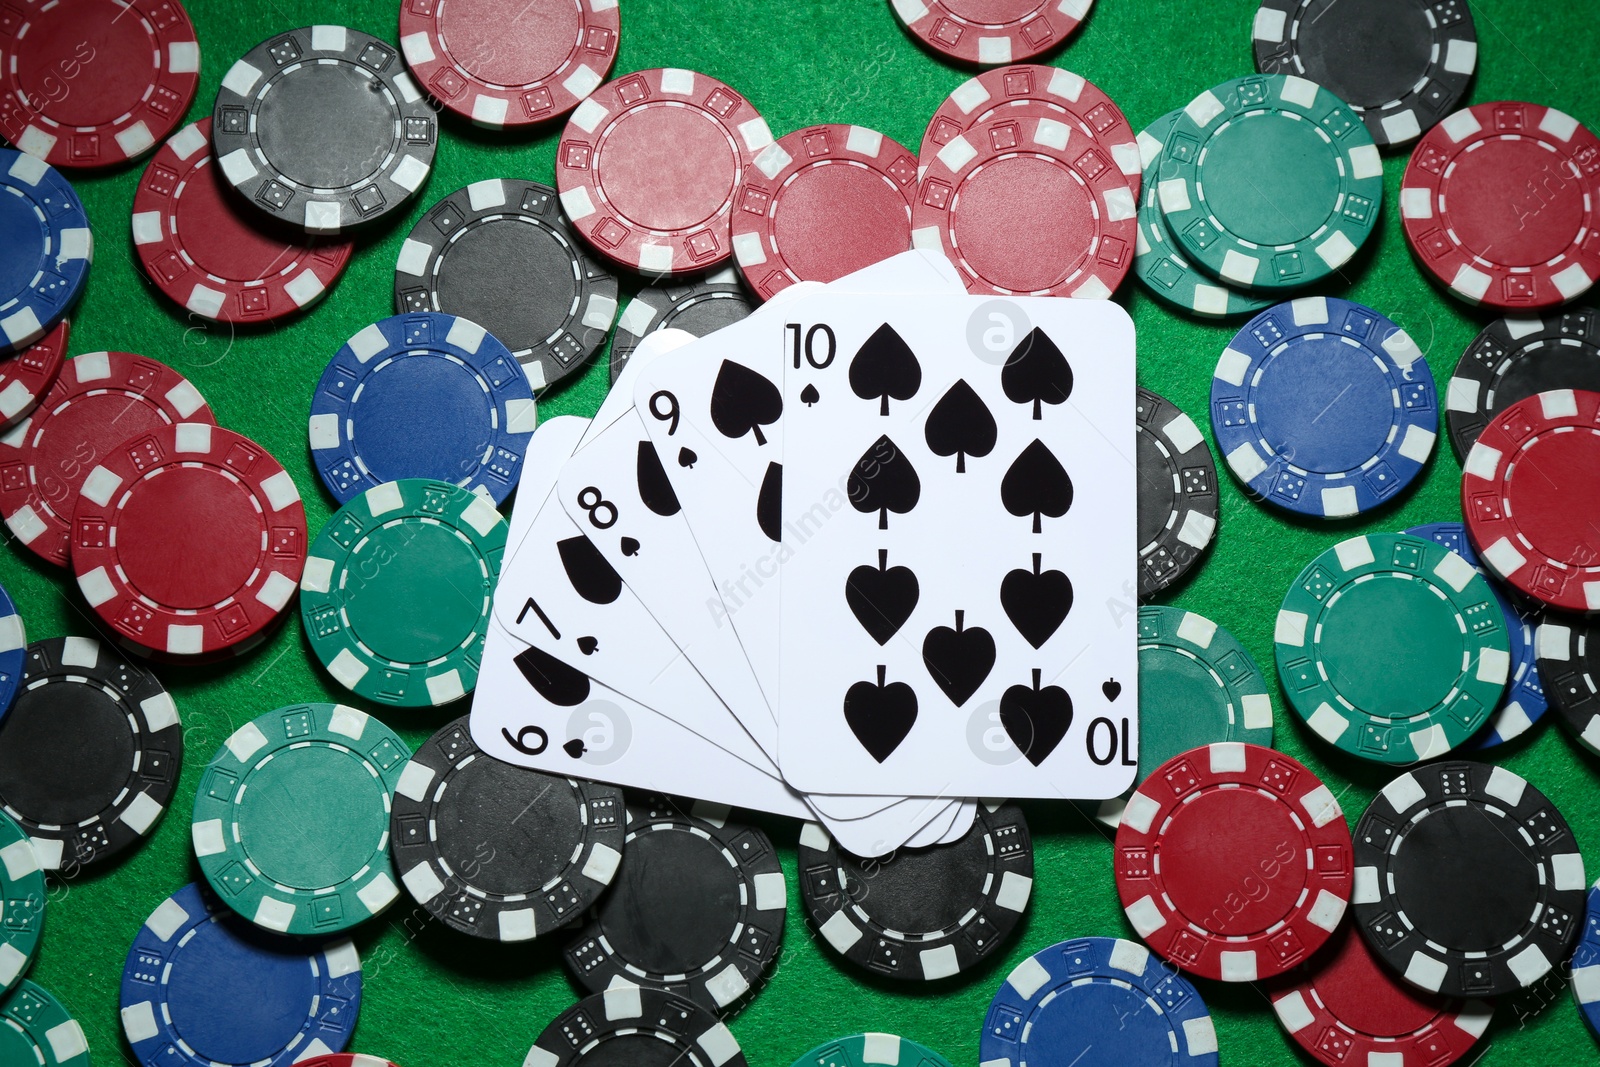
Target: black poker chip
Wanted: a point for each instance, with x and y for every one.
(921, 913)
(1569, 668)
(627, 1026)
(698, 307)
(1515, 358)
(1468, 882)
(696, 909)
(498, 851)
(89, 753)
(1403, 65)
(1178, 497)
(499, 253)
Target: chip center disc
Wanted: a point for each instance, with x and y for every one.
(328, 126)
(707, 314)
(66, 752)
(666, 913)
(1324, 405)
(1157, 481)
(509, 45)
(312, 816)
(666, 167)
(215, 240)
(415, 592)
(1371, 635)
(1087, 1025)
(1513, 202)
(1564, 468)
(1277, 203)
(1375, 51)
(543, 292)
(115, 82)
(807, 218)
(1233, 861)
(395, 436)
(504, 830)
(26, 239)
(1015, 218)
(1345, 985)
(59, 459)
(924, 891)
(269, 994)
(15, 1047)
(1182, 705)
(640, 1048)
(1539, 368)
(1464, 881)
(214, 563)
(992, 12)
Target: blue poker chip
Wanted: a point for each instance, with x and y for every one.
(48, 246)
(202, 987)
(1324, 408)
(1524, 703)
(1586, 963)
(422, 395)
(13, 650)
(1077, 1001)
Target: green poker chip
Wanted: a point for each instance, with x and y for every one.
(21, 904)
(291, 824)
(397, 591)
(1197, 686)
(36, 1031)
(1392, 648)
(871, 1050)
(1270, 182)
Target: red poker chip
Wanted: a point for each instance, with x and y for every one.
(1530, 490)
(649, 165)
(1501, 203)
(1234, 862)
(91, 83)
(188, 539)
(25, 375)
(1029, 207)
(821, 203)
(100, 400)
(201, 249)
(501, 71)
(344, 1059)
(1032, 91)
(1345, 1007)
(992, 32)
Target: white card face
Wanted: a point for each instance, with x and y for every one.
(959, 521)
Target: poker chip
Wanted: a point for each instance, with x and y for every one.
(1586, 964)
(650, 165)
(200, 249)
(1524, 703)
(1386, 606)
(48, 245)
(201, 988)
(1169, 277)
(871, 1050)
(1324, 408)
(1211, 817)
(1530, 499)
(422, 395)
(1402, 66)
(25, 375)
(991, 32)
(91, 83)
(322, 127)
(696, 908)
(1423, 903)
(397, 591)
(1346, 1007)
(188, 539)
(1076, 1001)
(820, 203)
(345, 1059)
(699, 307)
(1454, 197)
(1276, 227)
(1029, 206)
(291, 823)
(89, 753)
(1569, 666)
(22, 901)
(933, 912)
(499, 253)
(13, 651)
(1178, 496)
(36, 1030)
(627, 1024)
(100, 401)
(499, 851)
(500, 71)
(1513, 359)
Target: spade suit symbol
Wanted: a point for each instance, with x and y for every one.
(1036, 719)
(1036, 603)
(552, 679)
(1036, 485)
(687, 457)
(883, 480)
(880, 715)
(655, 488)
(1037, 373)
(960, 425)
(742, 402)
(809, 395)
(958, 660)
(591, 576)
(881, 598)
(884, 368)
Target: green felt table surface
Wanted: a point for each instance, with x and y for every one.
(436, 999)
